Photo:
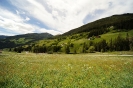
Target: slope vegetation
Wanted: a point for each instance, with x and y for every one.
(18, 40)
(121, 22)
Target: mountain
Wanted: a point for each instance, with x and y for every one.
(3, 36)
(114, 33)
(124, 21)
(33, 36)
(19, 40)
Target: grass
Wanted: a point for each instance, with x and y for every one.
(79, 39)
(21, 40)
(65, 71)
(110, 35)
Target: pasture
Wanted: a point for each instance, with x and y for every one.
(65, 71)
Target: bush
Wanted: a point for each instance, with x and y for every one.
(102, 50)
(50, 52)
(91, 49)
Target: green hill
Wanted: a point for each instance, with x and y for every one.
(113, 33)
(118, 22)
(19, 40)
(80, 43)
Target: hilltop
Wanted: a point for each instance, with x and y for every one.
(118, 22)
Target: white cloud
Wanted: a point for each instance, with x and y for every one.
(48, 31)
(63, 15)
(13, 22)
(17, 12)
(27, 19)
(5, 14)
(117, 7)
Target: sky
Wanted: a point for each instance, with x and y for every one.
(55, 16)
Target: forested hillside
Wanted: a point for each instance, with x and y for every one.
(80, 43)
(109, 34)
(19, 40)
(3, 36)
(118, 22)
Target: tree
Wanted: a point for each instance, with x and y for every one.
(75, 51)
(111, 45)
(131, 43)
(67, 50)
(101, 45)
(19, 49)
(91, 49)
(84, 48)
(127, 44)
(121, 43)
(10, 49)
(56, 48)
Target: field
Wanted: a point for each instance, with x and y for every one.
(65, 70)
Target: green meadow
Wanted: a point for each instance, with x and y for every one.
(97, 70)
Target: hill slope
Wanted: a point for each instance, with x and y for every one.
(113, 33)
(3, 36)
(18, 40)
(123, 21)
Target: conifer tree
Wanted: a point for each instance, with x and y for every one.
(67, 50)
(111, 45)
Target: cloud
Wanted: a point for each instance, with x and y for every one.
(48, 31)
(15, 23)
(117, 7)
(60, 15)
(64, 15)
(27, 19)
(11, 21)
(17, 12)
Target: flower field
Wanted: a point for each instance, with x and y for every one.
(65, 71)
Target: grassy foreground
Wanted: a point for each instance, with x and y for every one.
(65, 71)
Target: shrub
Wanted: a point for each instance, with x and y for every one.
(91, 49)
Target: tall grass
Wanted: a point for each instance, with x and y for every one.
(65, 71)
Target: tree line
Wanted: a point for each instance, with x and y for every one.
(118, 44)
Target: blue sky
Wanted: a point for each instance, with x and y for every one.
(55, 16)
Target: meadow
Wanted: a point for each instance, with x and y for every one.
(65, 71)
